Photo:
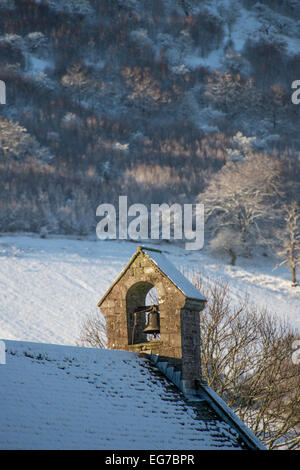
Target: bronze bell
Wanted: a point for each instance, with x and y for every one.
(152, 326)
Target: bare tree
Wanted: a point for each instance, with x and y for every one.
(247, 360)
(288, 239)
(93, 331)
(274, 104)
(77, 80)
(230, 92)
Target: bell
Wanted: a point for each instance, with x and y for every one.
(152, 326)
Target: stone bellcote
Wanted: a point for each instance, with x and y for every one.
(179, 307)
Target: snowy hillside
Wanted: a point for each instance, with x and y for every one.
(139, 96)
(48, 286)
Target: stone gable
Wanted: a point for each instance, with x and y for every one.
(179, 316)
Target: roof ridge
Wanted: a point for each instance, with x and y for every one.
(194, 294)
(141, 248)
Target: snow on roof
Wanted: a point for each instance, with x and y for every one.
(62, 397)
(173, 274)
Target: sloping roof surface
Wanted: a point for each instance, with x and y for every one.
(173, 274)
(61, 397)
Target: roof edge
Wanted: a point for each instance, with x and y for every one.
(193, 299)
(224, 411)
(140, 249)
(205, 392)
(136, 254)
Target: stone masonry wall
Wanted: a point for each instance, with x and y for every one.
(179, 317)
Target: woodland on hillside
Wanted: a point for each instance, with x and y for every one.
(101, 102)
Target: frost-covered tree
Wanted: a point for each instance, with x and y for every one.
(242, 146)
(16, 142)
(36, 41)
(288, 239)
(227, 242)
(241, 195)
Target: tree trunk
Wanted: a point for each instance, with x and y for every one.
(293, 265)
(232, 257)
(294, 280)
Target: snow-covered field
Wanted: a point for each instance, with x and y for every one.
(48, 286)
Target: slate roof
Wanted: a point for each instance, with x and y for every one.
(63, 397)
